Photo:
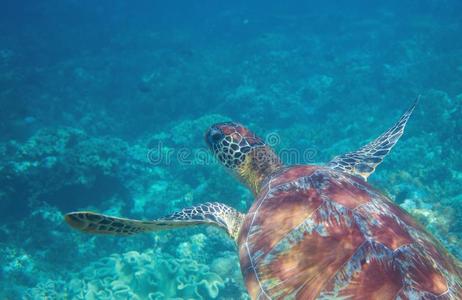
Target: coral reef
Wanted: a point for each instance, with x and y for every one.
(134, 275)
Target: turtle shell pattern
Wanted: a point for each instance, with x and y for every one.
(316, 233)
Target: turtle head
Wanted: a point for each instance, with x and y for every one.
(242, 152)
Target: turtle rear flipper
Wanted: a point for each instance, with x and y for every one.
(216, 214)
(364, 161)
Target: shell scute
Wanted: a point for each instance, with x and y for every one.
(308, 256)
(367, 275)
(292, 174)
(385, 228)
(300, 205)
(316, 233)
(348, 193)
(423, 273)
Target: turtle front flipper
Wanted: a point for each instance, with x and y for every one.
(216, 214)
(364, 161)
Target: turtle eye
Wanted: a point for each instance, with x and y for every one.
(214, 136)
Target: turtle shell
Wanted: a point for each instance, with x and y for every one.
(316, 233)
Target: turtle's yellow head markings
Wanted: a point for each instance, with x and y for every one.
(242, 152)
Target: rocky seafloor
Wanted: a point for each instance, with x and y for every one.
(101, 128)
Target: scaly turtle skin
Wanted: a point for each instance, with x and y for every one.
(313, 232)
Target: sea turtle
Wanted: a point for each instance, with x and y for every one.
(313, 231)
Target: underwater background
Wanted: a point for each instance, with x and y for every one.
(104, 105)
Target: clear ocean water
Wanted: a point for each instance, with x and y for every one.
(104, 105)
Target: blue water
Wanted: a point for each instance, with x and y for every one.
(89, 88)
